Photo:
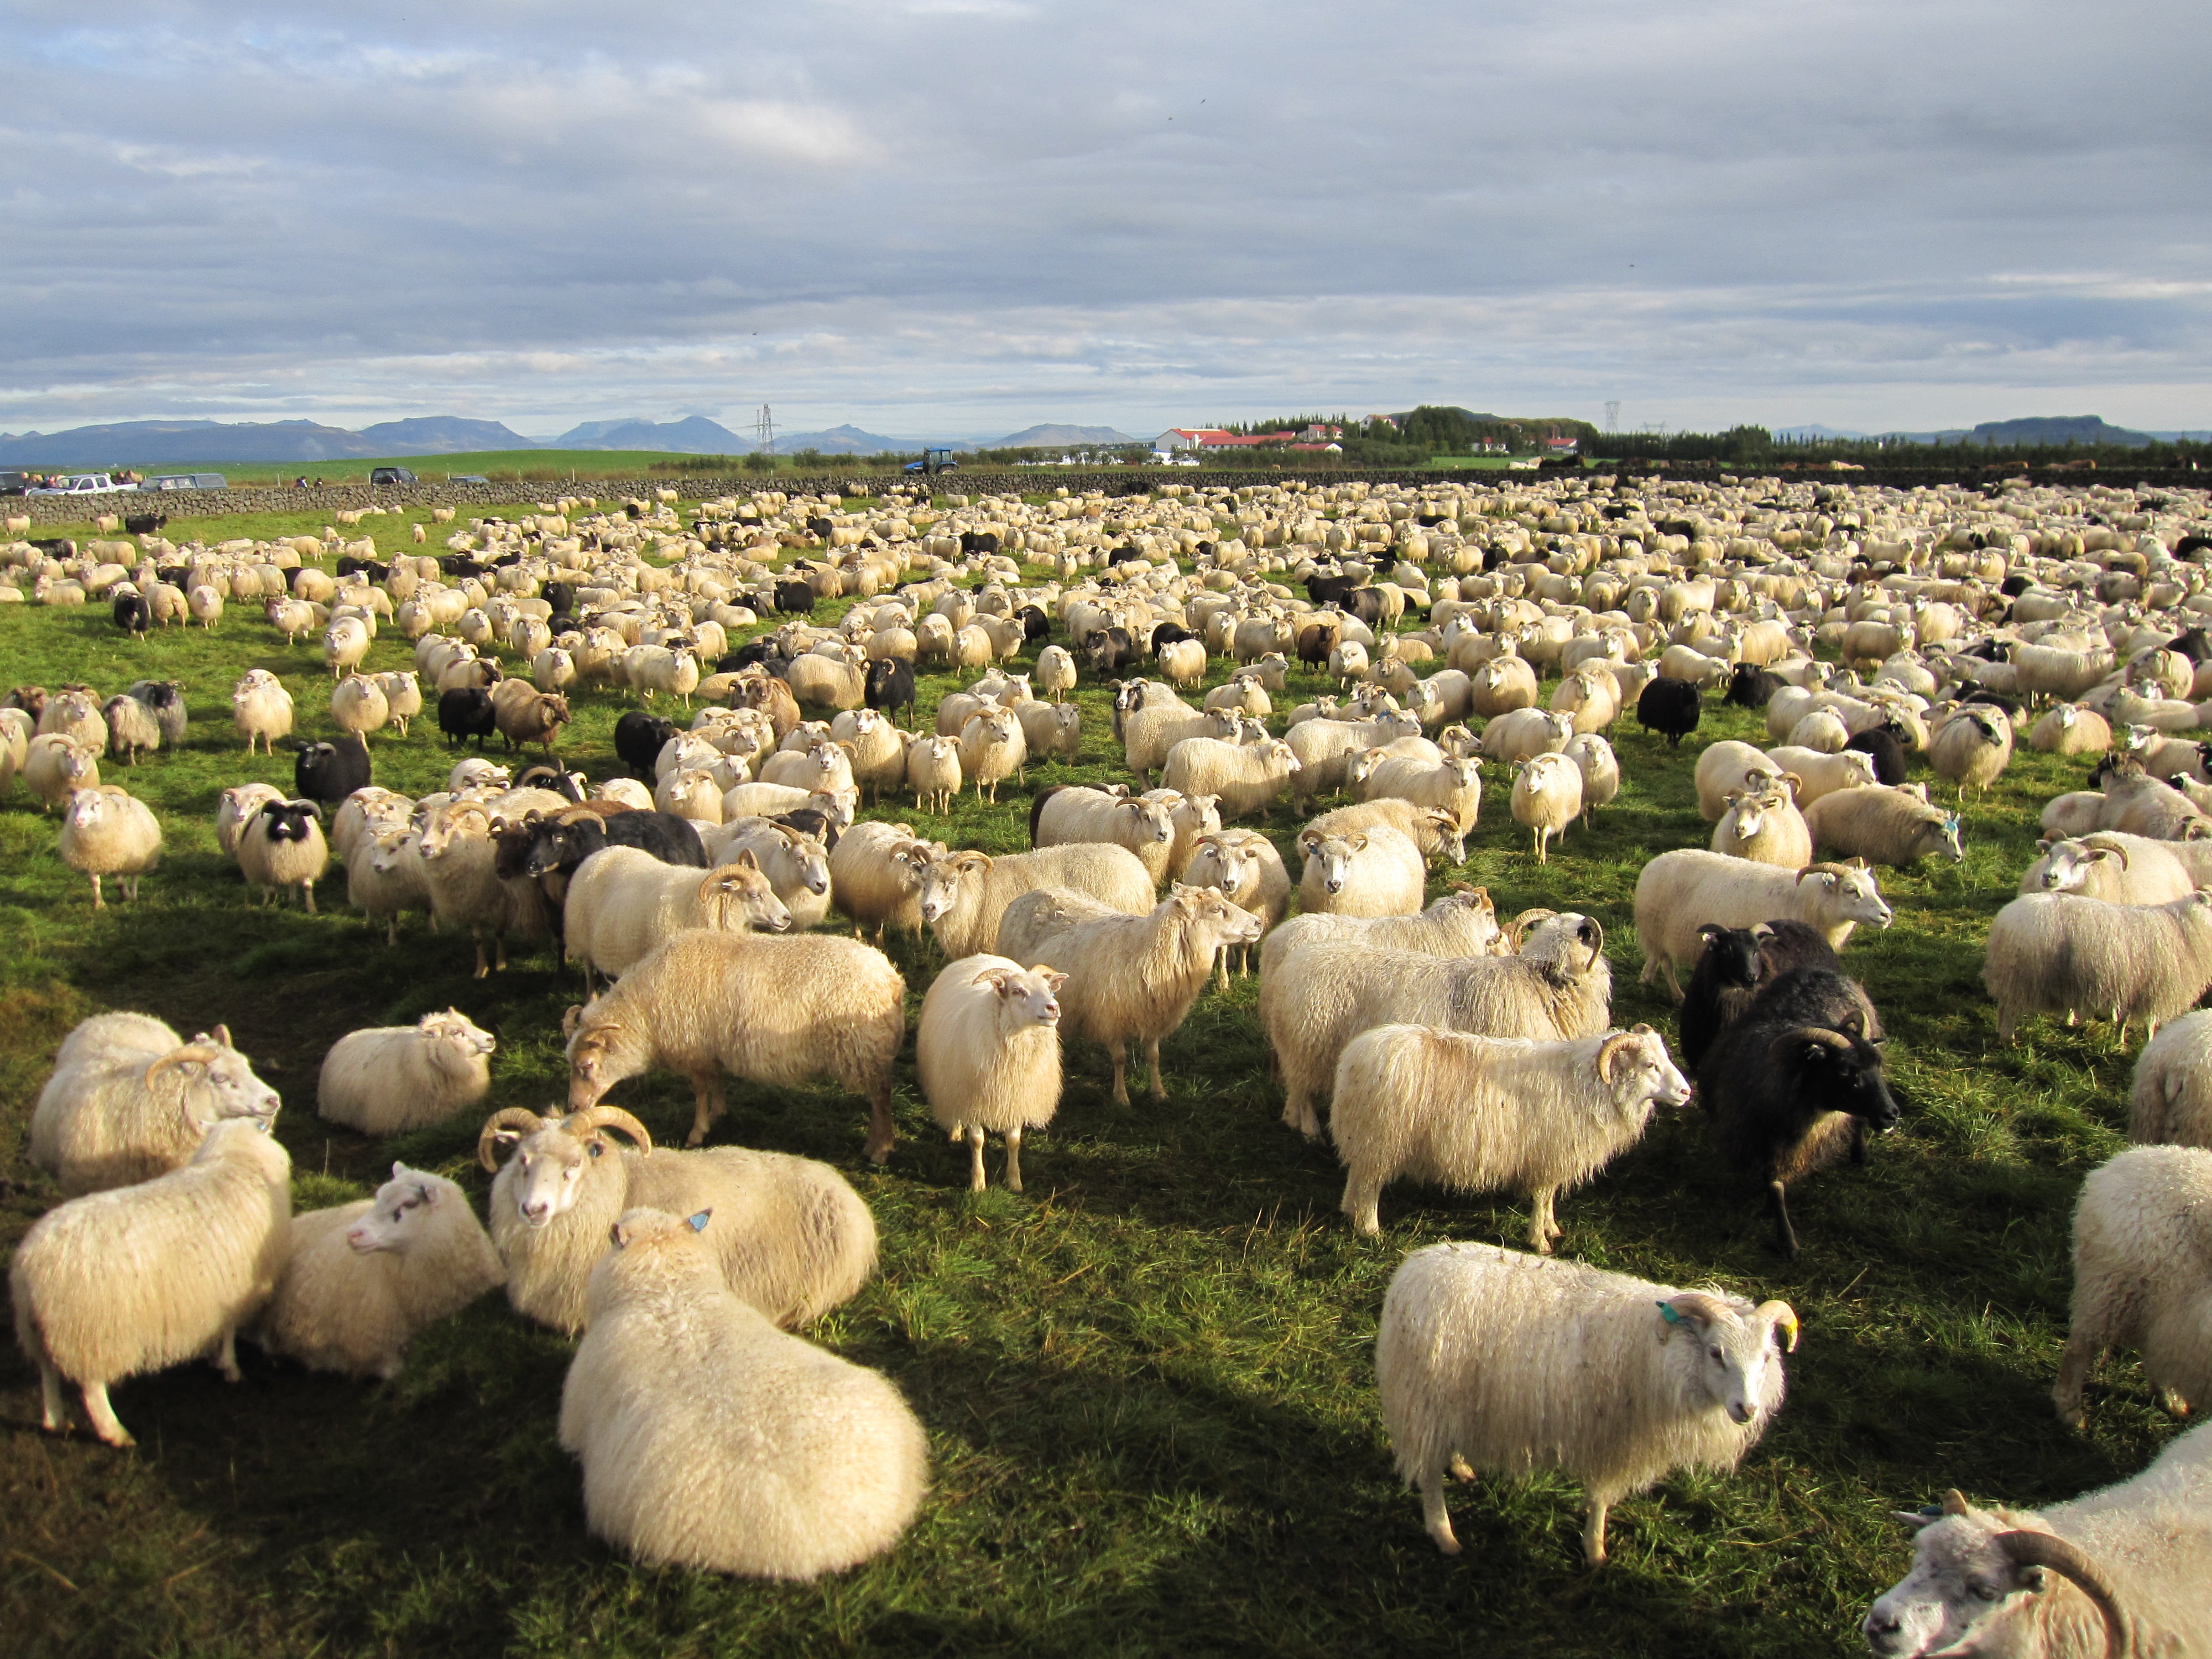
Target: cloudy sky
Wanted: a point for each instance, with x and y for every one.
(960, 216)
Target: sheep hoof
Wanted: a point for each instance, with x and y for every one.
(1459, 1469)
(1446, 1544)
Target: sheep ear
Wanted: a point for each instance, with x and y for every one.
(698, 1222)
(222, 1037)
(1053, 980)
(399, 1170)
(618, 1236)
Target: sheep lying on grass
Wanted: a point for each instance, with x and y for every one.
(388, 1079)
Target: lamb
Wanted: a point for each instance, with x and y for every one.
(1462, 923)
(1244, 866)
(1321, 995)
(1678, 892)
(2142, 1258)
(2123, 1572)
(129, 1100)
(1128, 977)
(1971, 748)
(1242, 778)
(932, 771)
(709, 1439)
(1601, 771)
(131, 728)
(388, 1079)
(283, 846)
(965, 896)
(875, 876)
(2171, 1100)
(107, 831)
(362, 1278)
(1820, 775)
(385, 877)
(2061, 953)
(1547, 795)
(775, 1011)
(987, 1053)
(2116, 868)
(1368, 873)
(1492, 1356)
(358, 705)
(57, 767)
(1076, 812)
(1765, 826)
(622, 902)
(796, 1239)
(1882, 824)
(113, 1283)
(1478, 1113)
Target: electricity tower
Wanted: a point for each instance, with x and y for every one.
(1612, 415)
(764, 432)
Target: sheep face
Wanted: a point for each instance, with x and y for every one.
(1837, 1071)
(1026, 996)
(288, 821)
(216, 1075)
(1738, 1362)
(549, 1166)
(1331, 856)
(943, 880)
(2070, 863)
(464, 1034)
(1856, 897)
(1155, 819)
(1964, 1590)
(404, 1207)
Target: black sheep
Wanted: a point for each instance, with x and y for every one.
(2196, 645)
(762, 650)
(1112, 650)
(1671, 708)
(1036, 627)
(795, 596)
(1791, 1087)
(466, 712)
(561, 596)
(133, 615)
(1335, 588)
(548, 774)
(1168, 632)
(558, 845)
(1786, 945)
(1722, 986)
(1751, 687)
(1993, 699)
(2012, 587)
(1366, 604)
(328, 772)
(889, 687)
(639, 739)
(144, 524)
(1887, 744)
(978, 541)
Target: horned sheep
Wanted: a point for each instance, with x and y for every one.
(987, 1053)
(1818, 774)
(1678, 892)
(387, 1079)
(1763, 825)
(795, 861)
(1244, 866)
(1377, 872)
(2062, 954)
(2118, 868)
(965, 895)
(56, 767)
(875, 876)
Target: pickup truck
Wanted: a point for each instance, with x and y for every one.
(84, 483)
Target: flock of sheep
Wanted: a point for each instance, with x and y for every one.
(703, 878)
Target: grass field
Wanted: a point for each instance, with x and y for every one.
(1148, 1382)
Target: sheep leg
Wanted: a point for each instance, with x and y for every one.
(880, 1133)
(702, 1110)
(49, 1397)
(1159, 1089)
(975, 1182)
(1594, 1533)
(1778, 1205)
(1221, 970)
(1542, 1229)
(226, 1355)
(1014, 1171)
(1118, 1049)
(307, 895)
(98, 902)
(2085, 1344)
(1858, 1141)
(1361, 1191)
(484, 969)
(102, 1416)
(1436, 1519)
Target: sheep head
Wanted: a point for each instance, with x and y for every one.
(1737, 1359)
(403, 1207)
(1975, 1579)
(1025, 995)
(551, 1154)
(216, 1082)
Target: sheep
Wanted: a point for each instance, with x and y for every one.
(459, 867)
(878, 752)
(261, 709)
(56, 767)
(130, 1099)
(1324, 749)
(1320, 996)
(933, 772)
(1763, 825)
(358, 705)
(1823, 731)
(402, 697)
(798, 1240)
(131, 728)
(820, 682)
(1242, 778)
(385, 1080)
(795, 862)
(2170, 1101)
(710, 1439)
(651, 668)
(1191, 817)
(2067, 728)
(1819, 774)
(775, 1010)
(1437, 834)
(360, 1279)
(875, 876)
(1524, 732)
(1367, 872)
(1547, 795)
(2143, 1257)
(1182, 662)
(1679, 891)
(1882, 824)
(1724, 769)
(236, 808)
(1055, 671)
(1491, 1357)
(2116, 868)
(622, 902)
(2123, 1572)
(528, 716)
(1971, 748)
(107, 831)
(1128, 977)
(113, 1283)
(1244, 868)
(1453, 785)
(992, 748)
(345, 643)
(1462, 923)
(283, 847)
(2061, 953)
(965, 895)
(1476, 1113)
(1078, 812)
(987, 1055)
(1149, 733)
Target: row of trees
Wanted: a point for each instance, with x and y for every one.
(1754, 445)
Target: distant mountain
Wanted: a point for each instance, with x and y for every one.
(1813, 434)
(2033, 429)
(441, 434)
(168, 443)
(1050, 436)
(849, 440)
(693, 435)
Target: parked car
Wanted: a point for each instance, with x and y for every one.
(187, 480)
(83, 483)
(15, 483)
(391, 475)
(467, 478)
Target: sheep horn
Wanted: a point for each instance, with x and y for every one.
(2109, 846)
(505, 1117)
(613, 1117)
(190, 1053)
(1822, 870)
(1784, 1317)
(1820, 1034)
(1611, 1048)
(2059, 1555)
(1702, 1305)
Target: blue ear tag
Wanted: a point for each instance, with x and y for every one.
(698, 1222)
(1667, 1312)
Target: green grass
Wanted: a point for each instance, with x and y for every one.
(1148, 1382)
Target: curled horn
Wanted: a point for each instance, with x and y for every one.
(1597, 944)
(1822, 870)
(2104, 844)
(2026, 1549)
(1610, 1048)
(613, 1117)
(1701, 1305)
(1820, 1034)
(1517, 929)
(507, 1117)
(190, 1053)
(1784, 1317)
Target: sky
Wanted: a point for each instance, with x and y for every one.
(957, 218)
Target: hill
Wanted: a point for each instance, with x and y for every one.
(168, 443)
(695, 434)
(850, 440)
(441, 434)
(1053, 436)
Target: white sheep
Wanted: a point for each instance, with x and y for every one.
(145, 1277)
(875, 876)
(1510, 1362)
(2071, 729)
(403, 696)
(1055, 671)
(1244, 866)
(358, 705)
(1547, 797)
(1972, 748)
(1462, 923)
(2116, 868)
(1678, 892)
(1051, 730)
(1072, 813)
(1523, 732)
(56, 767)
(623, 902)
(1763, 825)
(933, 772)
(992, 749)
(130, 1099)
(108, 831)
(2171, 1100)
(1478, 1113)
(1128, 978)
(1452, 784)
(2143, 1259)
(710, 1439)
(2061, 953)
(1437, 834)
(235, 809)
(1242, 779)
(1883, 824)
(1820, 775)
(987, 1055)
(1192, 815)
(796, 1239)
(1377, 872)
(1151, 732)
(131, 728)
(795, 862)
(1724, 769)
(362, 1279)
(1601, 771)
(386, 1079)
(965, 894)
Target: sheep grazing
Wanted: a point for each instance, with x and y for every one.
(1242, 778)
(388, 1079)
(283, 847)
(1128, 978)
(1494, 1357)
(2122, 1572)
(1321, 996)
(2171, 1100)
(1070, 813)
(965, 895)
(2062, 954)
(1763, 825)
(130, 1099)
(1792, 1085)
(1462, 923)
(1477, 1113)
(987, 1053)
(1368, 873)
(1244, 866)
(107, 831)
(114, 1284)
(1972, 748)
(775, 1011)
(1882, 825)
(710, 1439)
(1679, 891)
(2142, 1258)
(362, 1279)
(1547, 797)
(796, 1239)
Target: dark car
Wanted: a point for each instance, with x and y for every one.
(391, 475)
